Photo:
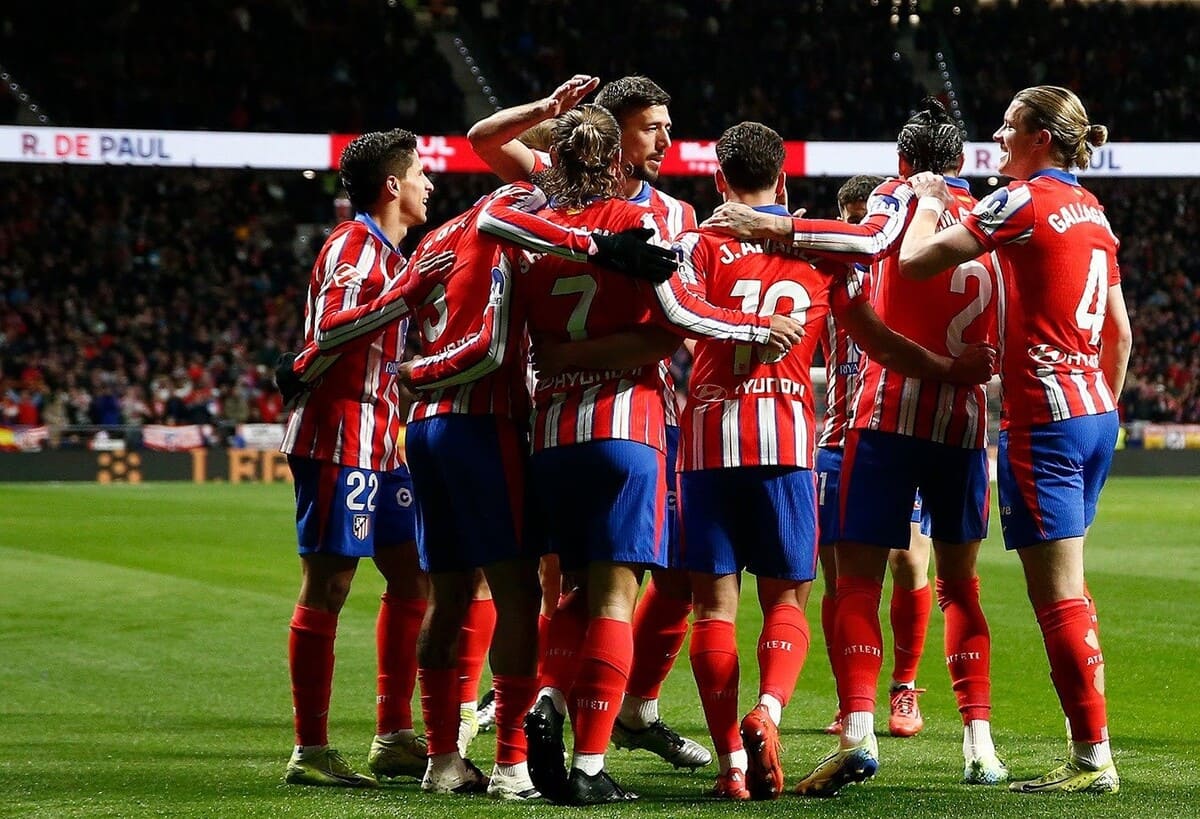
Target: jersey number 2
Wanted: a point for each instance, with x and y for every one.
(958, 284)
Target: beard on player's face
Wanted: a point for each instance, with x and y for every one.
(644, 174)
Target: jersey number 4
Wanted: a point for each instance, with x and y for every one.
(1089, 314)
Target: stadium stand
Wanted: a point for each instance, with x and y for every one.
(808, 79)
(1115, 55)
(139, 295)
(266, 65)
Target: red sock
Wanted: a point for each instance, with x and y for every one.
(1076, 666)
(473, 644)
(514, 698)
(968, 647)
(782, 649)
(714, 659)
(310, 661)
(1092, 609)
(396, 631)
(828, 621)
(910, 622)
(603, 672)
(860, 639)
(543, 637)
(659, 626)
(439, 708)
(560, 654)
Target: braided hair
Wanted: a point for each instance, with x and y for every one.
(931, 140)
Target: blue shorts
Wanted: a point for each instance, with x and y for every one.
(600, 501)
(921, 517)
(671, 519)
(469, 474)
(829, 481)
(342, 510)
(1050, 476)
(759, 518)
(881, 473)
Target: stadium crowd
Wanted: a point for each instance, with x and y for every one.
(1116, 54)
(819, 83)
(77, 347)
(125, 67)
(168, 296)
(80, 349)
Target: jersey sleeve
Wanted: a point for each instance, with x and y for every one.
(483, 349)
(1114, 268)
(1004, 216)
(511, 215)
(342, 321)
(690, 222)
(682, 305)
(889, 208)
(847, 290)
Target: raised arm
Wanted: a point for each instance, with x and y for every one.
(925, 251)
(494, 138)
(876, 236)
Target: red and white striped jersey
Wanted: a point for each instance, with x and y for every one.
(843, 360)
(565, 304)
(744, 409)
(678, 216)
(890, 208)
(471, 367)
(944, 314)
(352, 415)
(1057, 259)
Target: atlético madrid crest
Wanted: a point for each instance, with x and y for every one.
(362, 526)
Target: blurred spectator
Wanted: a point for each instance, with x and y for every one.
(165, 296)
(820, 69)
(249, 66)
(1134, 64)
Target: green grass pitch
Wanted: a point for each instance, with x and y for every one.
(143, 672)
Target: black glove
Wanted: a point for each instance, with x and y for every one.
(289, 384)
(627, 252)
